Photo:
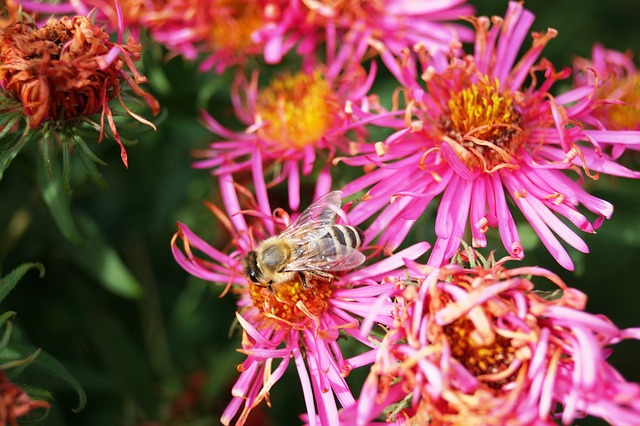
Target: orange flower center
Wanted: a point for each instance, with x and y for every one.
(297, 110)
(626, 89)
(292, 304)
(481, 124)
(232, 24)
(478, 359)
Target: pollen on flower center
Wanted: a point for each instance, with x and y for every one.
(480, 360)
(482, 125)
(626, 89)
(297, 109)
(291, 303)
(233, 23)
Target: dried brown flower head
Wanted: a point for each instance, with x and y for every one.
(68, 70)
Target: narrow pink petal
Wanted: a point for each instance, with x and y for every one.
(478, 212)
(389, 264)
(570, 317)
(293, 175)
(260, 189)
(307, 389)
(253, 332)
(507, 226)
(547, 238)
(273, 377)
(516, 27)
(231, 203)
(231, 410)
(323, 183)
(243, 384)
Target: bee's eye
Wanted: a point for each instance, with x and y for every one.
(253, 276)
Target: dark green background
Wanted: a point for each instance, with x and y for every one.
(133, 356)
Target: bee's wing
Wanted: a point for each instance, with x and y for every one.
(336, 260)
(313, 222)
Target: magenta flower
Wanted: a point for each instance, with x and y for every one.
(485, 129)
(279, 327)
(483, 347)
(295, 121)
(398, 24)
(221, 30)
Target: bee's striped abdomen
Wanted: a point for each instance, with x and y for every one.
(339, 238)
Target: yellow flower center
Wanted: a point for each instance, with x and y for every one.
(292, 304)
(233, 23)
(482, 126)
(479, 360)
(297, 110)
(626, 89)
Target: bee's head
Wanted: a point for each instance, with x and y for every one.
(250, 266)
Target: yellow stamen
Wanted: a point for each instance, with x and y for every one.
(481, 124)
(297, 110)
(626, 89)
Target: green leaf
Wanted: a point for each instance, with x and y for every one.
(8, 154)
(37, 393)
(89, 160)
(55, 367)
(9, 282)
(99, 259)
(7, 334)
(57, 200)
(19, 365)
(6, 317)
(66, 166)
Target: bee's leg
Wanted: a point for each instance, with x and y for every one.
(307, 276)
(324, 275)
(270, 287)
(303, 279)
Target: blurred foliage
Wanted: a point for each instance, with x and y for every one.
(149, 343)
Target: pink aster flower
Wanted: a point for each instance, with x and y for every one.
(291, 324)
(485, 128)
(296, 121)
(220, 30)
(483, 347)
(396, 23)
(617, 97)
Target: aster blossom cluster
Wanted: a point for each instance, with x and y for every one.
(358, 157)
(476, 132)
(483, 346)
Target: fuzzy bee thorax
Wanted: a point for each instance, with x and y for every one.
(275, 256)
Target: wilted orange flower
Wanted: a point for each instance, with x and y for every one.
(14, 402)
(68, 70)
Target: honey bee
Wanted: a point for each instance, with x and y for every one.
(310, 247)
